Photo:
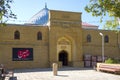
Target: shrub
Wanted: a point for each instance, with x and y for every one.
(109, 61)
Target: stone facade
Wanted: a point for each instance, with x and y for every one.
(64, 41)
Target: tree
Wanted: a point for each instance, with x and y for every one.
(103, 8)
(5, 11)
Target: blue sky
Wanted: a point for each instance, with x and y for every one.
(25, 9)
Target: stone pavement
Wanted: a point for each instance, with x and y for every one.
(64, 74)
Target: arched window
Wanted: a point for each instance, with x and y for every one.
(39, 36)
(106, 39)
(16, 35)
(88, 38)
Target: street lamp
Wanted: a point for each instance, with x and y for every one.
(102, 46)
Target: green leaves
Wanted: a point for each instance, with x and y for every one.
(111, 61)
(101, 7)
(114, 22)
(5, 10)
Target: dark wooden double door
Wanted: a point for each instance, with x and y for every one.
(63, 57)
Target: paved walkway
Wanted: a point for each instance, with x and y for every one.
(64, 74)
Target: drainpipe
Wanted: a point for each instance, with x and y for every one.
(118, 42)
(49, 25)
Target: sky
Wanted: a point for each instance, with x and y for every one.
(25, 9)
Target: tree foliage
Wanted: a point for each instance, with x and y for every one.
(5, 10)
(111, 61)
(103, 8)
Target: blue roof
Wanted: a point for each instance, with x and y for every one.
(41, 18)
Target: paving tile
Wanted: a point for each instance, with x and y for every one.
(64, 74)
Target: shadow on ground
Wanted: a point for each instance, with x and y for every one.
(13, 78)
(49, 69)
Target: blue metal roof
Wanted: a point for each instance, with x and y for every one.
(41, 18)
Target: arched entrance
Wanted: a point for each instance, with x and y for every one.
(63, 57)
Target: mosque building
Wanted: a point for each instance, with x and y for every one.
(53, 36)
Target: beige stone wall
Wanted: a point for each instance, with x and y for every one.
(65, 16)
(64, 25)
(94, 47)
(28, 39)
(73, 36)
